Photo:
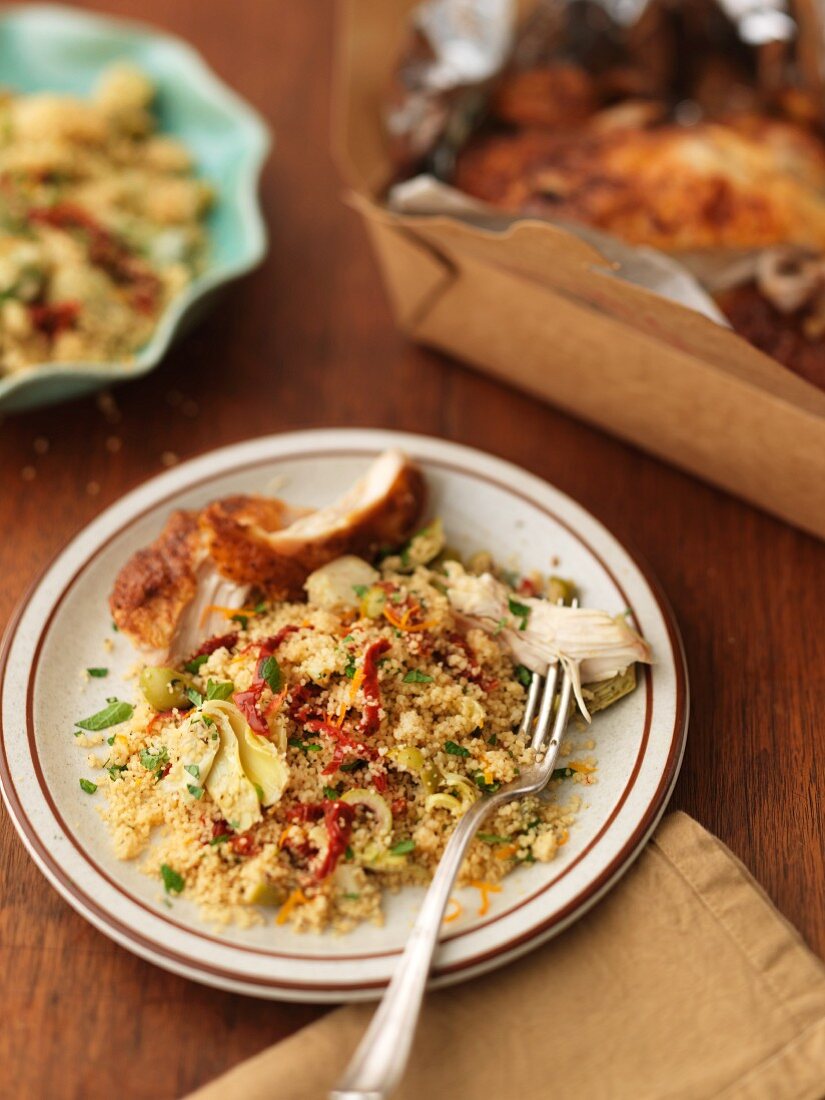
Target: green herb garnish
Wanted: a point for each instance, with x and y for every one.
(493, 838)
(215, 690)
(196, 792)
(521, 612)
(360, 590)
(402, 847)
(194, 696)
(270, 671)
(242, 619)
(416, 677)
(196, 662)
(98, 673)
(260, 607)
(455, 750)
(524, 675)
(330, 792)
(349, 671)
(111, 715)
(312, 747)
(562, 773)
(116, 770)
(193, 770)
(154, 761)
(222, 839)
(88, 786)
(483, 785)
(172, 882)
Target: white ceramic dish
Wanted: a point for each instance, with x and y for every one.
(485, 503)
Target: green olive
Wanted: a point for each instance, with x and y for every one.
(165, 688)
(262, 893)
(372, 606)
(560, 589)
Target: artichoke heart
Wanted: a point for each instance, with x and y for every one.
(260, 762)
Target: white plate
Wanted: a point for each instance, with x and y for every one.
(485, 503)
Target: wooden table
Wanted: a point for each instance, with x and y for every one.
(308, 341)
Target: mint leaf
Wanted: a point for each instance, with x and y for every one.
(88, 786)
(196, 662)
(172, 882)
(402, 847)
(215, 690)
(416, 677)
(98, 673)
(455, 750)
(111, 715)
(270, 672)
(521, 612)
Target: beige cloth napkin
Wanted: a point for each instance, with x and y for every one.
(683, 983)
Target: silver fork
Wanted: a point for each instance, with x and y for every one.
(379, 1062)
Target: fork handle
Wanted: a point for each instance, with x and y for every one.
(379, 1062)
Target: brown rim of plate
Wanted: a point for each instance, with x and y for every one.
(86, 905)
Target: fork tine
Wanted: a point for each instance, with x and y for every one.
(546, 708)
(530, 707)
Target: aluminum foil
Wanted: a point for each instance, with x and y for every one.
(467, 44)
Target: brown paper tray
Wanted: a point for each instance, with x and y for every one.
(538, 308)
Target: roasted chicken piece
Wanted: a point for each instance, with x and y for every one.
(747, 183)
(153, 589)
(203, 565)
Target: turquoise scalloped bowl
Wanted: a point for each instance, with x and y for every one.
(53, 48)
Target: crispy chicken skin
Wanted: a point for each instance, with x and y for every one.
(748, 183)
(160, 595)
(379, 510)
(158, 582)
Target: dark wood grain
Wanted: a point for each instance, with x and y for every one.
(308, 341)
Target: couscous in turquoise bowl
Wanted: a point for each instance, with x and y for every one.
(54, 48)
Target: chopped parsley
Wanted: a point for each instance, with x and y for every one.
(193, 770)
(111, 715)
(349, 670)
(172, 882)
(312, 747)
(260, 607)
(562, 773)
(216, 690)
(352, 765)
(414, 676)
(98, 673)
(360, 590)
(493, 740)
(351, 897)
(222, 839)
(521, 612)
(295, 742)
(493, 838)
(88, 786)
(524, 675)
(402, 847)
(483, 785)
(348, 853)
(196, 662)
(455, 750)
(330, 792)
(116, 770)
(270, 671)
(242, 619)
(196, 792)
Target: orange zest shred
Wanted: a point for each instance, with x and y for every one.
(357, 681)
(276, 704)
(581, 766)
(296, 898)
(506, 852)
(485, 889)
(563, 839)
(227, 612)
(456, 911)
(404, 622)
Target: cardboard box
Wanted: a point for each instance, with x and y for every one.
(538, 308)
